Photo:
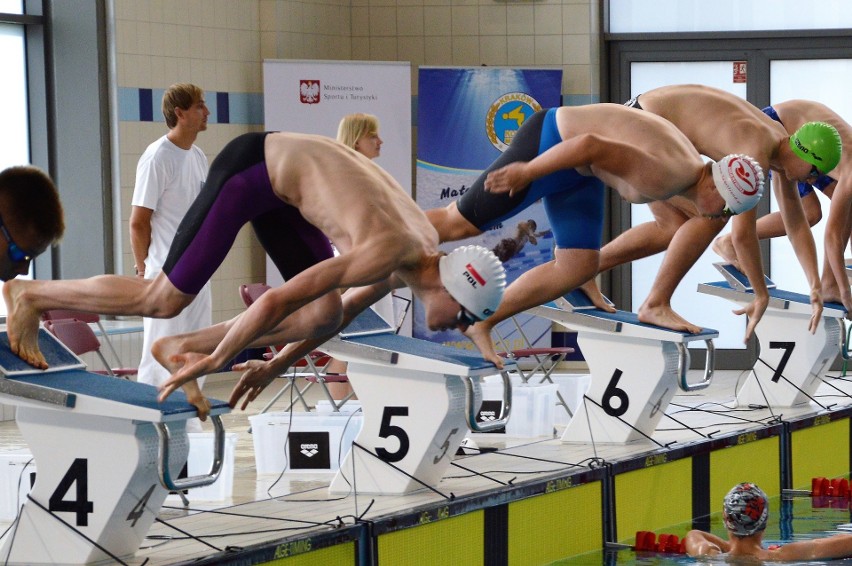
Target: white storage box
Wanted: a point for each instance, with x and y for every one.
(323, 407)
(572, 387)
(17, 475)
(533, 406)
(307, 442)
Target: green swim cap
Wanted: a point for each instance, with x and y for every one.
(819, 144)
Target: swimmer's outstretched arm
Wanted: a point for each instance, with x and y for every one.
(359, 267)
(744, 237)
(257, 374)
(604, 154)
(802, 239)
(836, 546)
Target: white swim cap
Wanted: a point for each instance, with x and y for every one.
(475, 278)
(739, 179)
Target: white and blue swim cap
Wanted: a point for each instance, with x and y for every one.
(739, 179)
(745, 510)
(475, 278)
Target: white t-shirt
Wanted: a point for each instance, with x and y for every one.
(168, 179)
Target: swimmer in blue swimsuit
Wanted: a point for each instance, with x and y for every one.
(298, 191)
(565, 156)
(745, 512)
(717, 123)
(836, 185)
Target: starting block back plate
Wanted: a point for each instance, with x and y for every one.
(58, 356)
(366, 323)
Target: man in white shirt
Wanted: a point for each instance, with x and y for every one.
(169, 176)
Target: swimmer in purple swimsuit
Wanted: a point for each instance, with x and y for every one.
(837, 186)
(299, 191)
(745, 512)
(566, 156)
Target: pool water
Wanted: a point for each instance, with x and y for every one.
(800, 518)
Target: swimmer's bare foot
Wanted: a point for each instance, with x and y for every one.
(590, 288)
(480, 334)
(22, 324)
(724, 248)
(667, 318)
(163, 350)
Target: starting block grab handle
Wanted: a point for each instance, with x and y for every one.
(844, 343)
(472, 409)
(194, 481)
(683, 367)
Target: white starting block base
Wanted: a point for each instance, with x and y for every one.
(75, 483)
(106, 451)
(302, 442)
(791, 359)
(406, 414)
(635, 368)
(533, 406)
(17, 473)
(419, 399)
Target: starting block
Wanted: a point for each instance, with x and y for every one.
(636, 369)
(791, 359)
(107, 452)
(419, 400)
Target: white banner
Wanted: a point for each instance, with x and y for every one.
(312, 96)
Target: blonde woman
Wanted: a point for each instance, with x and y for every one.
(361, 132)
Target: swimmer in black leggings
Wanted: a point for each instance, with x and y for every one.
(299, 191)
(566, 156)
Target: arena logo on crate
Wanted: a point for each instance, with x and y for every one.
(309, 91)
(506, 115)
(310, 450)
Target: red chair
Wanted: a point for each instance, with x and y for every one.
(79, 337)
(546, 361)
(88, 317)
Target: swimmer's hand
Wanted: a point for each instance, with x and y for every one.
(509, 179)
(256, 376)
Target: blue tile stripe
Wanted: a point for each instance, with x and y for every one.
(143, 105)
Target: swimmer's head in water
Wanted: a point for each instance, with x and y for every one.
(739, 179)
(745, 510)
(475, 278)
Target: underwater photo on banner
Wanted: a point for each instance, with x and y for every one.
(466, 118)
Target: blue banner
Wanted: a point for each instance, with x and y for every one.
(465, 119)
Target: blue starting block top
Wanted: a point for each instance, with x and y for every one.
(66, 384)
(579, 306)
(430, 351)
(370, 339)
(141, 395)
(778, 298)
(623, 323)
